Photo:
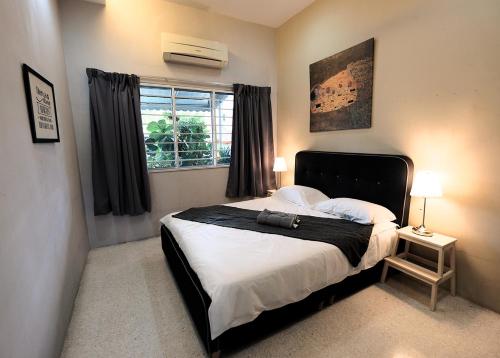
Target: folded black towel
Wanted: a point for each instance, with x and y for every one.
(277, 218)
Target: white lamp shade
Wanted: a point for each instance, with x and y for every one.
(426, 185)
(279, 165)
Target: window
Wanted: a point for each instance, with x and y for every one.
(186, 127)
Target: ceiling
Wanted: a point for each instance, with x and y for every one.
(273, 13)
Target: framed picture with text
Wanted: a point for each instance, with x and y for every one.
(41, 102)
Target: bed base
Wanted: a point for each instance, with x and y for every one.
(197, 301)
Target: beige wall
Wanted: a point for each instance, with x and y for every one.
(43, 236)
(124, 36)
(436, 99)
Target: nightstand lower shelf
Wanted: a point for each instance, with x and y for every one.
(417, 271)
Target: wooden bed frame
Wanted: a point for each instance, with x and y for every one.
(378, 178)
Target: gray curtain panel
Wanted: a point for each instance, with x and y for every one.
(119, 171)
(252, 151)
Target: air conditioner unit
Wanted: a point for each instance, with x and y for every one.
(193, 51)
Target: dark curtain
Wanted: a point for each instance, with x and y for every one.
(252, 150)
(119, 171)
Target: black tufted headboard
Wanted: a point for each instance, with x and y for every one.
(379, 178)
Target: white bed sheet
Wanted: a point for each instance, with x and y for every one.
(246, 273)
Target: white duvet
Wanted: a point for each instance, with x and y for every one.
(246, 272)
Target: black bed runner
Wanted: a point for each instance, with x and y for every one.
(351, 238)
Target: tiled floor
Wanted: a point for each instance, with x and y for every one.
(128, 306)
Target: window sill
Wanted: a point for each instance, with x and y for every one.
(182, 169)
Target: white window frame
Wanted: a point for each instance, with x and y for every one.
(213, 91)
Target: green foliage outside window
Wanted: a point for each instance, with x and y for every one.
(224, 155)
(194, 143)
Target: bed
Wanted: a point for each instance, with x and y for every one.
(235, 290)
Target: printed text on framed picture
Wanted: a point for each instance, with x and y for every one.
(41, 102)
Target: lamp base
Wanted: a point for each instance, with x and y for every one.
(422, 231)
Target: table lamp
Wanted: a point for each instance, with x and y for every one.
(279, 167)
(425, 185)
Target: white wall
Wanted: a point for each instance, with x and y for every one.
(43, 236)
(124, 36)
(435, 98)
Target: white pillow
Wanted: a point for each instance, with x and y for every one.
(300, 195)
(359, 211)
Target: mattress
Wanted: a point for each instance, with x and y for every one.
(246, 273)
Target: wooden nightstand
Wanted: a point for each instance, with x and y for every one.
(441, 244)
(271, 192)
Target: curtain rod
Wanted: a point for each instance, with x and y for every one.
(158, 79)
